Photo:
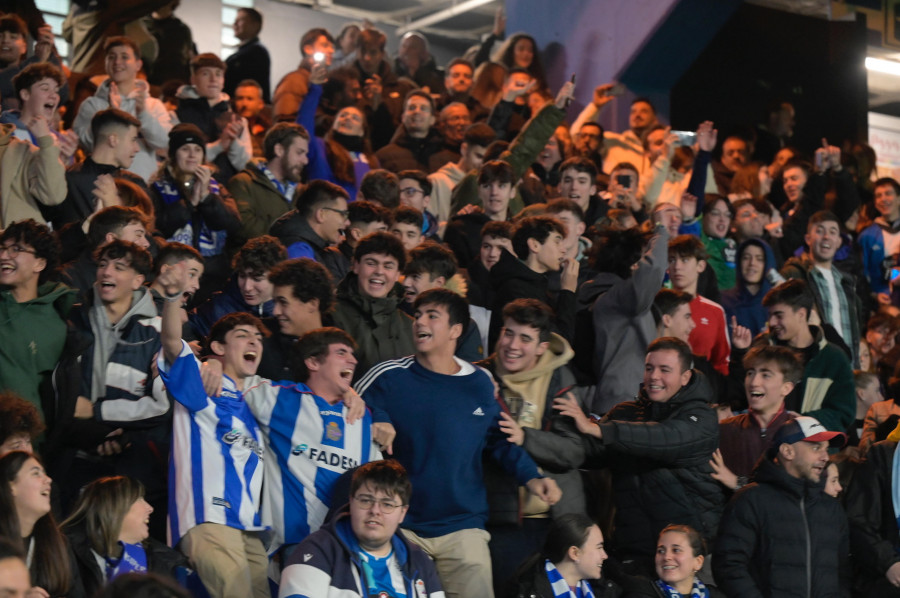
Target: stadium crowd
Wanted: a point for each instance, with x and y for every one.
(394, 328)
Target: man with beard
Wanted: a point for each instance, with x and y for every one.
(265, 189)
(627, 146)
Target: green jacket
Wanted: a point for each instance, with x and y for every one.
(380, 329)
(722, 255)
(32, 337)
(827, 391)
(258, 201)
(521, 154)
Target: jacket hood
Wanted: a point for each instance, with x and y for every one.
(457, 284)
(61, 296)
(591, 289)
(510, 267)
(13, 117)
(291, 229)
(189, 92)
(348, 289)
(236, 301)
(141, 306)
(770, 263)
(817, 333)
(558, 354)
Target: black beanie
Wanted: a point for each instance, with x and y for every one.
(184, 133)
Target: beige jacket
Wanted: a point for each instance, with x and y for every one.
(28, 175)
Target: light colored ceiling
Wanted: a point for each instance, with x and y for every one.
(450, 19)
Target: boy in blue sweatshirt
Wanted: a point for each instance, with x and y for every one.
(445, 415)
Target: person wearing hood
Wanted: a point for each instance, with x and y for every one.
(614, 323)
(782, 535)
(368, 302)
(124, 91)
(538, 242)
(34, 310)
(657, 448)
(530, 366)
(755, 260)
(351, 557)
(249, 290)
(105, 384)
(203, 103)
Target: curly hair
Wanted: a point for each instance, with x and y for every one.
(38, 237)
(308, 280)
(18, 416)
(259, 255)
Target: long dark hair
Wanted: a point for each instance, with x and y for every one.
(50, 565)
(567, 530)
(505, 55)
(339, 158)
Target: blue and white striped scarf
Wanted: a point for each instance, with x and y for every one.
(209, 242)
(286, 188)
(697, 591)
(561, 589)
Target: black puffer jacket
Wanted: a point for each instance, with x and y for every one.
(659, 456)
(782, 536)
(874, 536)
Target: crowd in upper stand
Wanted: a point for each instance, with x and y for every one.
(382, 327)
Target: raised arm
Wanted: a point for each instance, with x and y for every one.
(174, 281)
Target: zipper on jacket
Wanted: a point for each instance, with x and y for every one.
(808, 548)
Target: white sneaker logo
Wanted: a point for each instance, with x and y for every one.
(306, 557)
(478, 412)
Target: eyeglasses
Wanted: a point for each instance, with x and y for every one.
(343, 213)
(719, 214)
(15, 250)
(367, 502)
(411, 191)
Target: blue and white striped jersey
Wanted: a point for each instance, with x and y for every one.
(310, 444)
(216, 468)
